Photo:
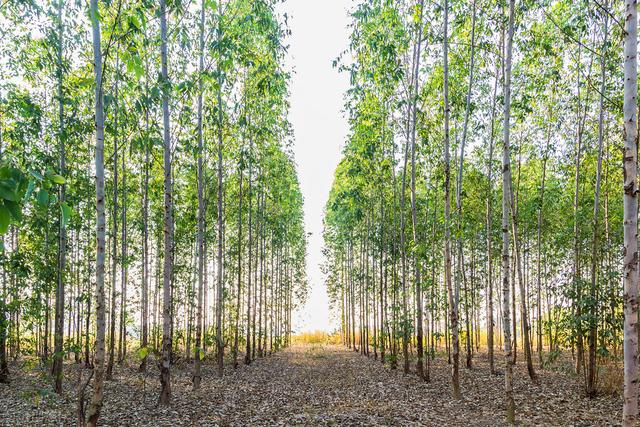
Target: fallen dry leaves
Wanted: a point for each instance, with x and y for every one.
(312, 385)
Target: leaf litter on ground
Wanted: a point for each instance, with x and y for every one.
(312, 385)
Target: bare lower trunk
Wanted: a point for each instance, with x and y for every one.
(219, 343)
(539, 242)
(4, 323)
(506, 199)
(403, 255)
(62, 243)
(630, 163)
(524, 312)
(453, 300)
(122, 339)
(145, 235)
(247, 355)
(460, 272)
(592, 366)
(414, 108)
(236, 331)
(490, 325)
(114, 231)
(98, 382)
(165, 373)
(197, 367)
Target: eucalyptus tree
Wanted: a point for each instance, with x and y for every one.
(197, 375)
(62, 243)
(489, 220)
(591, 374)
(454, 295)
(131, 102)
(413, 125)
(456, 109)
(415, 96)
(630, 163)
(165, 373)
(506, 207)
(98, 382)
(219, 287)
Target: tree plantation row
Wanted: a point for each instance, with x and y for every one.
(487, 193)
(150, 208)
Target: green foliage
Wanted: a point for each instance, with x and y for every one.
(47, 110)
(555, 95)
(142, 352)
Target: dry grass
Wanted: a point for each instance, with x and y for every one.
(317, 337)
(610, 378)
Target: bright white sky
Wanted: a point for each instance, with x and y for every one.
(319, 34)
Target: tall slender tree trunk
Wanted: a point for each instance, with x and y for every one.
(62, 242)
(352, 294)
(219, 343)
(122, 340)
(197, 366)
(165, 373)
(98, 381)
(539, 243)
(383, 243)
(394, 268)
(114, 229)
(630, 185)
(382, 278)
(403, 247)
(403, 254)
(453, 297)
(87, 334)
(144, 343)
(255, 275)
(4, 325)
(576, 272)
(236, 332)
(247, 354)
(261, 239)
(506, 199)
(205, 283)
(460, 267)
(79, 295)
(4, 322)
(524, 311)
(593, 319)
(489, 232)
(467, 321)
(414, 113)
(433, 305)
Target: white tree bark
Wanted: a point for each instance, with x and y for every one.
(630, 163)
(98, 382)
(165, 373)
(506, 202)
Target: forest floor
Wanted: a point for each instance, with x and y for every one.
(314, 385)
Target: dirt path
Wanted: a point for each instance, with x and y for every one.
(319, 386)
